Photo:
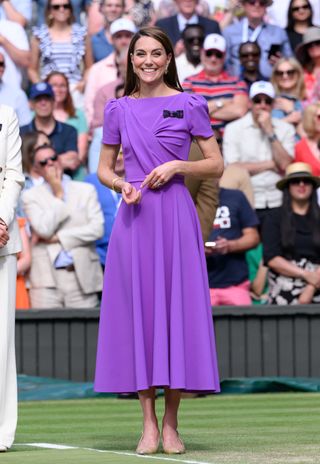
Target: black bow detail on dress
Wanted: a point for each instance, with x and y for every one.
(173, 114)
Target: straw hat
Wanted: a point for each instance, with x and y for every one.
(298, 171)
(312, 34)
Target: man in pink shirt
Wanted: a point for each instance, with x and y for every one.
(105, 71)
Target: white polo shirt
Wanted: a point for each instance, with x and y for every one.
(244, 142)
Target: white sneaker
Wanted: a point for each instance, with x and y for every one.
(3, 449)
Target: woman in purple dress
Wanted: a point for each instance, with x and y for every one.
(156, 324)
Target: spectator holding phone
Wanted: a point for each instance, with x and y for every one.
(272, 40)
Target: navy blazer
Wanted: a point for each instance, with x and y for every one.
(171, 27)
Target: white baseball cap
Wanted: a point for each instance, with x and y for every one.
(262, 87)
(215, 42)
(122, 24)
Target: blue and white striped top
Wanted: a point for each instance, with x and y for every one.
(65, 57)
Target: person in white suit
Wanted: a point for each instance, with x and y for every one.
(11, 183)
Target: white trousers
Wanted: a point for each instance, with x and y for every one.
(8, 374)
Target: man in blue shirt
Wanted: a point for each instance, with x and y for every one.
(102, 42)
(272, 40)
(234, 232)
(62, 136)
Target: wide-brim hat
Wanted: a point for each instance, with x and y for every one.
(298, 171)
(312, 34)
(268, 2)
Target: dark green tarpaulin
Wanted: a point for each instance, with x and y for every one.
(40, 388)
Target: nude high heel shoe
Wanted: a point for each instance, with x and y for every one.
(148, 449)
(178, 448)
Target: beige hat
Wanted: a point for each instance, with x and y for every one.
(312, 34)
(298, 171)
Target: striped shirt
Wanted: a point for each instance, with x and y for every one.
(65, 57)
(223, 87)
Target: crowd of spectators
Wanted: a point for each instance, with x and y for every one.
(256, 62)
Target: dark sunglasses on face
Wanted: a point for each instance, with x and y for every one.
(253, 2)
(294, 9)
(300, 180)
(289, 72)
(195, 39)
(65, 6)
(248, 54)
(215, 53)
(267, 100)
(51, 158)
(316, 43)
(2, 64)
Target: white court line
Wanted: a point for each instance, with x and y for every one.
(120, 453)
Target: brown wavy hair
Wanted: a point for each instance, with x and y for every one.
(68, 105)
(171, 79)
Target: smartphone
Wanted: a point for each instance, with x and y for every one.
(210, 244)
(275, 48)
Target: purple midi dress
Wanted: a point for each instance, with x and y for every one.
(156, 324)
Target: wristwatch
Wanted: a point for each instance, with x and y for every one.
(219, 104)
(272, 138)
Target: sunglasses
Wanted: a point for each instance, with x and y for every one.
(267, 100)
(215, 53)
(2, 64)
(288, 72)
(51, 158)
(195, 39)
(316, 43)
(300, 180)
(64, 6)
(253, 2)
(248, 54)
(302, 7)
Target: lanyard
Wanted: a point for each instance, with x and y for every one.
(245, 31)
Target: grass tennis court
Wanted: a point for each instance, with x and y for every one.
(244, 429)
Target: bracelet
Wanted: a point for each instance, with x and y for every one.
(114, 181)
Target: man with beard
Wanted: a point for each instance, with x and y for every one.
(189, 62)
(250, 54)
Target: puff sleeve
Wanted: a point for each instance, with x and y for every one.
(198, 116)
(111, 132)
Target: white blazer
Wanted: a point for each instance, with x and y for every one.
(11, 177)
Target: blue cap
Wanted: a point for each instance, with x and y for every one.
(41, 88)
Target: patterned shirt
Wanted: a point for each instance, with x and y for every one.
(222, 87)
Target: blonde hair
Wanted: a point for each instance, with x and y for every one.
(300, 89)
(308, 119)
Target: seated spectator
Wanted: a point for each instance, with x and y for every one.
(23, 266)
(258, 275)
(288, 82)
(14, 96)
(61, 45)
(65, 111)
(101, 42)
(105, 71)
(141, 12)
(272, 40)
(66, 220)
(250, 54)
(106, 93)
(14, 46)
(174, 25)
(78, 6)
(262, 145)
(291, 240)
(277, 13)
(62, 136)
(307, 149)
(109, 201)
(189, 62)
(308, 53)
(234, 232)
(19, 11)
(299, 20)
(226, 95)
(225, 12)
